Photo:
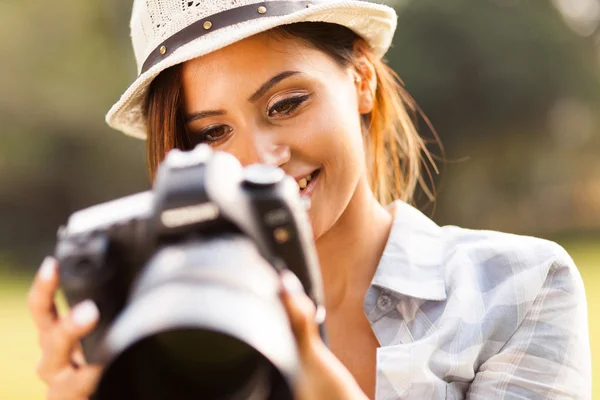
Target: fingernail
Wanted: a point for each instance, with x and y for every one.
(290, 282)
(320, 314)
(47, 269)
(85, 313)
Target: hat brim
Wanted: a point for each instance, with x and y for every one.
(373, 22)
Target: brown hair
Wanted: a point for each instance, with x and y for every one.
(395, 150)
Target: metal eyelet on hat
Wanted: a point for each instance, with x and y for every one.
(162, 50)
(207, 25)
(262, 10)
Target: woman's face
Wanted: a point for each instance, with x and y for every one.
(280, 102)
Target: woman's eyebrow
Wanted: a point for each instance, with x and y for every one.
(270, 83)
(203, 114)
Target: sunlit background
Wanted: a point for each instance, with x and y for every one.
(511, 86)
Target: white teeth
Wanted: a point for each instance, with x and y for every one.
(308, 178)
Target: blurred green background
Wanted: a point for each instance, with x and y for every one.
(511, 86)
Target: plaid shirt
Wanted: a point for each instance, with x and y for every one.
(463, 314)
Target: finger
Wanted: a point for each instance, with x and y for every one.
(41, 295)
(75, 384)
(300, 308)
(58, 353)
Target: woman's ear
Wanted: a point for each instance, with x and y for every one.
(365, 80)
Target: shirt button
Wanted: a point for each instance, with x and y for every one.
(384, 302)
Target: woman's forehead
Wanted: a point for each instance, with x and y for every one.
(259, 55)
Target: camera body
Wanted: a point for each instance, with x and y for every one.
(116, 252)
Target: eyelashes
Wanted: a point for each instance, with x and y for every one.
(287, 106)
(218, 133)
(210, 134)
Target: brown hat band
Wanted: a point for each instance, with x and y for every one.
(222, 20)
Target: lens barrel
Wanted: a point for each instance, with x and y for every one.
(204, 321)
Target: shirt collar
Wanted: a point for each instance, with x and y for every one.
(412, 261)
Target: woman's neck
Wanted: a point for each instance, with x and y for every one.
(350, 251)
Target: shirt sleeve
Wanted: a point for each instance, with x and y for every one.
(548, 356)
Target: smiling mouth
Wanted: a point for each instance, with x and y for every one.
(307, 184)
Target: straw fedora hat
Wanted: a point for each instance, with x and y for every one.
(169, 32)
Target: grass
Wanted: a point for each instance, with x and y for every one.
(19, 349)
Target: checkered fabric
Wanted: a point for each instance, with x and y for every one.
(465, 314)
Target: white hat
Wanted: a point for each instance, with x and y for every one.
(169, 32)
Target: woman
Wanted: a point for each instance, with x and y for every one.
(414, 310)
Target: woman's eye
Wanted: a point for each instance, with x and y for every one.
(287, 106)
(210, 135)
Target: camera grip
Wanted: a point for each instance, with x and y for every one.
(86, 272)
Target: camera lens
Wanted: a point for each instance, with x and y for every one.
(182, 362)
(212, 328)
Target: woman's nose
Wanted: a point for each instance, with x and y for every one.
(277, 155)
(268, 151)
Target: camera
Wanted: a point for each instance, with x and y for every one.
(186, 280)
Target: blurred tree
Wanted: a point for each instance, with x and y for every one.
(67, 64)
(491, 62)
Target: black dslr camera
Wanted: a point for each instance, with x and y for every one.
(186, 280)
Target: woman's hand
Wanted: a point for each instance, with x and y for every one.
(62, 366)
(323, 376)
(68, 377)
